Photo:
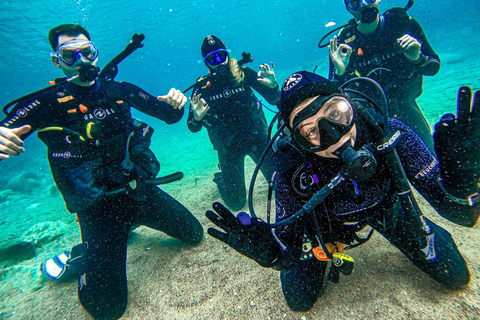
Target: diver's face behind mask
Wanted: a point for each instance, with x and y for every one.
(323, 124)
(365, 11)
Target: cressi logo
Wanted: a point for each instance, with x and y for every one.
(390, 142)
(292, 81)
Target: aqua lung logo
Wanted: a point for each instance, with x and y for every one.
(292, 81)
(227, 93)
(377, 60)
(98, 114)
(22, 113)
(211, 41)
(65, 155)
(61, 94)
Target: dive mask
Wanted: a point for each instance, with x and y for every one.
(354, 5)
(323, 122)
(77, 50)
(216, 57)
(368, 13)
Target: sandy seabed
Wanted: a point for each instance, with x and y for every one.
(168, 280)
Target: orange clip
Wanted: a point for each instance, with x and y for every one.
(83, 109)
(360, 52)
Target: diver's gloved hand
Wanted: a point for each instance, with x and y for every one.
(250, 237)
(340, 55)
(457, 144)
(199, 106)
(267, 75)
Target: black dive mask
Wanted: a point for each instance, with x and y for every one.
(323, 122)
(369, 14)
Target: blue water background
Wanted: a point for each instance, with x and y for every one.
(285, 32)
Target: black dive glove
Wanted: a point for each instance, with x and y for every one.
(457, 144)
(250, 237)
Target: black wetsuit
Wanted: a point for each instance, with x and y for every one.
(378, 56)
(351, 207)
(237, 127)
(108, 198)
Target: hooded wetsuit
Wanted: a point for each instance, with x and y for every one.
(108, 198)
(237, 127)
(351, 206)
(378, 56)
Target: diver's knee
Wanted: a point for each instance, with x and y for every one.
(196, 237)
(99, 310)
(235, 203)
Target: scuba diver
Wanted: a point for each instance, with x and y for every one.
(224, 102)
(101, 163)
(346, 166)
(392, 49)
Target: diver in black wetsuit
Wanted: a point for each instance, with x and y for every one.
(393, 50)
(101, 162)
(224, 102)
(341, 170)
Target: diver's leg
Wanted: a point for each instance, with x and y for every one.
(302, 284)
(232, 183)
(162, 212)
(268, 165)
(410, 113)
(449, 267)
(102, 288)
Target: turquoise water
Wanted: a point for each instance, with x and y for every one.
(286, 32)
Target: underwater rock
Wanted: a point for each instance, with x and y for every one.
(16, 250)
(45, 232)
(53, 191)
(24, 183)
(5, 194)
